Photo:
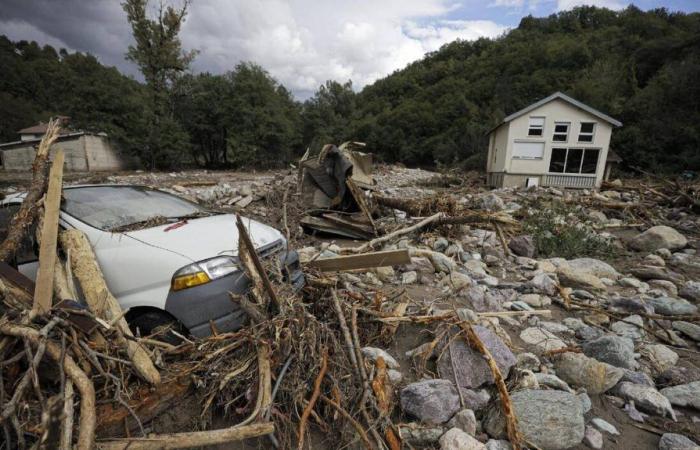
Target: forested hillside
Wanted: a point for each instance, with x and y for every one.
(640, 67)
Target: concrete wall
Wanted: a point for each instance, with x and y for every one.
(83, 153)
(554, 111)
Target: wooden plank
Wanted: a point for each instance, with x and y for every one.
(360, 199)
(243, 234)
(362, 261)
(43, 294)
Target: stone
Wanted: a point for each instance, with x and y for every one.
(580, 370)
(630, 283)
(593, 438)
(469, 366)
(585, 402)
(542, 339)
(420, 436)
(456, 280)
(535, 300)
(614, 350)
(678, 375)
(629, 327)
(372, 353)
(660, 236)
(669, 306)
(686, 395)
(654, 260)
(476, 400)
(656, 273)
(522, 245)
(544, 284)
(551, 420)
(456, 439)
(602, 425)
(552, 381)
(588, 333)
(527, 361)
(492, 202)
(687, 328)
(465, 420)
(385, 274)
(673, 441)
(440, 244)
(661, 357)
(395, 376)
(430, 401)
(409, 277)
(498, 444)
(573, 323)
(691, 291)
(594, 267)
(646, 398)
(637, 377)
(668, 286)
(580, 280)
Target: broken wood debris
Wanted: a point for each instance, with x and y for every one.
(362, 261)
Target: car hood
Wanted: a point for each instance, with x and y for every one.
(205, 237)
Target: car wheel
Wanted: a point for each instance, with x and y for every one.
(158, 325)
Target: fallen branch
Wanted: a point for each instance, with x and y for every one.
(312, 401)
(387, 237)
(189, 440)
(358, 427)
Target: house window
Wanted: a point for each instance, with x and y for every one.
(586, 134)
(528, 150)
(536, 127)
(574, 160)
(561, 132)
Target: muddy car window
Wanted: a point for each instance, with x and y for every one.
(112, 208)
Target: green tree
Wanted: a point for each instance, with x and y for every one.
(326, 116)
(159, 55)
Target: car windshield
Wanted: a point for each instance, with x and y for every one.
(116, 208)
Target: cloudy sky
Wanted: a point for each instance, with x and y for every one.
(301, 43)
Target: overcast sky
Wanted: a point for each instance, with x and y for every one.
(301, 43)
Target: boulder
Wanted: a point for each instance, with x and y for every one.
(686, 395)
(646, 398)
(659, 356)
(492, 202)
(691, 291)
(593, 438)
(673, 441)
(629, 327)
(469, 366)
(465, 420)
(669, 306)
(522, 245)
(689, 329)
(456, 439)
(614, 350)
(580, 370)
(544, 284)
(580, 280)
(660, 236)
(594, 267)
(430, 401)
(602, 425)
(678, 375)
(498, 444)
(409, 277)
(373, 353)
(551, 420)
(542, 339)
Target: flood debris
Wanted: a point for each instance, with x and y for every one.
(512, 318)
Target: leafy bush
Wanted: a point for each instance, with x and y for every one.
(565, 232)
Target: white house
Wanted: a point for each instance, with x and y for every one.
(557, 141)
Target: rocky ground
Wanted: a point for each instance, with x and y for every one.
(599, 349)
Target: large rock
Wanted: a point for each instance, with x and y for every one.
(660, 357)
(456, 439)
(691, 291)
(646, 398)
(543, 284)
(689, 329)
(614, 350)
(658, 237)
(687, 395)
(469, 366)
(594, 267)
(580, 370)
(673, 441)
(580, 280)
(669, 306)
(420, 435)
(678, 375)
(629, 327)
(465, 420)
(522, 246)
(492, 202)
(542, 339)
(431, 401)
(551, 420)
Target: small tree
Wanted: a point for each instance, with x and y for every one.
(159, 55)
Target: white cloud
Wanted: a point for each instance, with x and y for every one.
(19, 30)
(303, 43)
(563, 5)
(507, 3)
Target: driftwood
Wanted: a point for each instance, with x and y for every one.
(362, 261)
(380, 240)
(86, 436)
(43, 292)
(249, 248)
(28, 210)
(189, 440)
(102, 302)
(312, 401)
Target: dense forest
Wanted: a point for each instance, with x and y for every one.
(640, 67)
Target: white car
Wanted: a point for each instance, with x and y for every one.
(164, 258)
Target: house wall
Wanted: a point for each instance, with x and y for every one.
(555, 111)
(82, 153)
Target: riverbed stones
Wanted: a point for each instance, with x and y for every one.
(660, 236)
(646, 398)
(430, 401)
(542, 339)
(615, 350)
(686, 395)
(581, 371)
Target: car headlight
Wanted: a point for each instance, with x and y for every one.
(203, 272)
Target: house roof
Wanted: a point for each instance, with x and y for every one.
(566, 98)
(63, 136)
(40, 128)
